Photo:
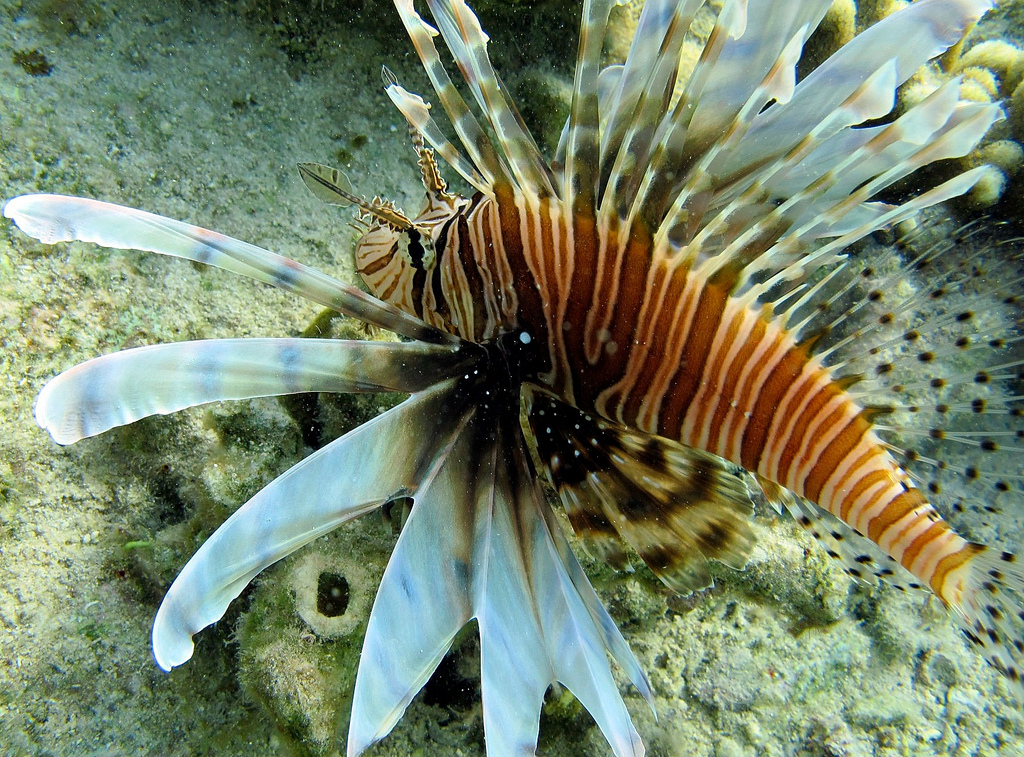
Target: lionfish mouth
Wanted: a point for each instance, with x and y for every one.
(652, 321)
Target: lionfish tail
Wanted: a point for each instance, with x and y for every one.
(987, 595)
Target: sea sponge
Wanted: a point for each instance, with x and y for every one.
(1005, 154)
(988, 190)
(997, 56)
(332, 593)
(299, 639)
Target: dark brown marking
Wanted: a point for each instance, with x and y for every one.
(654, 350)
(865, 482)
(933, 532)
(730, 387)
(795, 440)
(950, 563)
(377, 265)
(715, 538)
(718, 368)
(660, 557)
(475, 280)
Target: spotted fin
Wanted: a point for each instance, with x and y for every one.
(930, 345)
(925, 335)
(989, 602)
(860, 558)
(677, 507)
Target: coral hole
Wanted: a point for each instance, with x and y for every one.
(331, 594)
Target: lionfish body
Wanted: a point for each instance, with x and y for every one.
(666, 301)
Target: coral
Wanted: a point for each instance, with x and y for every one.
(992, 71)
(872, 11)
(989, 189)
(979, 84)
(836, 29)
(301, 635)
(1017, 113)
(1001, 58)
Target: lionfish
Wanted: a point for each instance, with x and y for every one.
(660, 321)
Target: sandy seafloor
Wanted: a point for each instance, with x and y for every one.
(200, 115)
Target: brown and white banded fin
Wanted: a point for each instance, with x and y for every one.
(751, 71)
(643, 91)
(607, 83)
(833, 199)
(753, 209)
(715, 189)
(794, 261)
(582, 167)
(911, 37)
(677, 507)
(476, 141)
(643, 85)
(467, 42)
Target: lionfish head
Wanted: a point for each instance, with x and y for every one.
(396, 255)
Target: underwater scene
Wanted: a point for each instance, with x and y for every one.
(601, 377)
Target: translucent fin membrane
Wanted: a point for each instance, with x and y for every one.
(933, 343)
(380, 461)
(481, 523)
(121, 388)
(59, 218)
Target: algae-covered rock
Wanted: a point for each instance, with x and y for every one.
(300, 637)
